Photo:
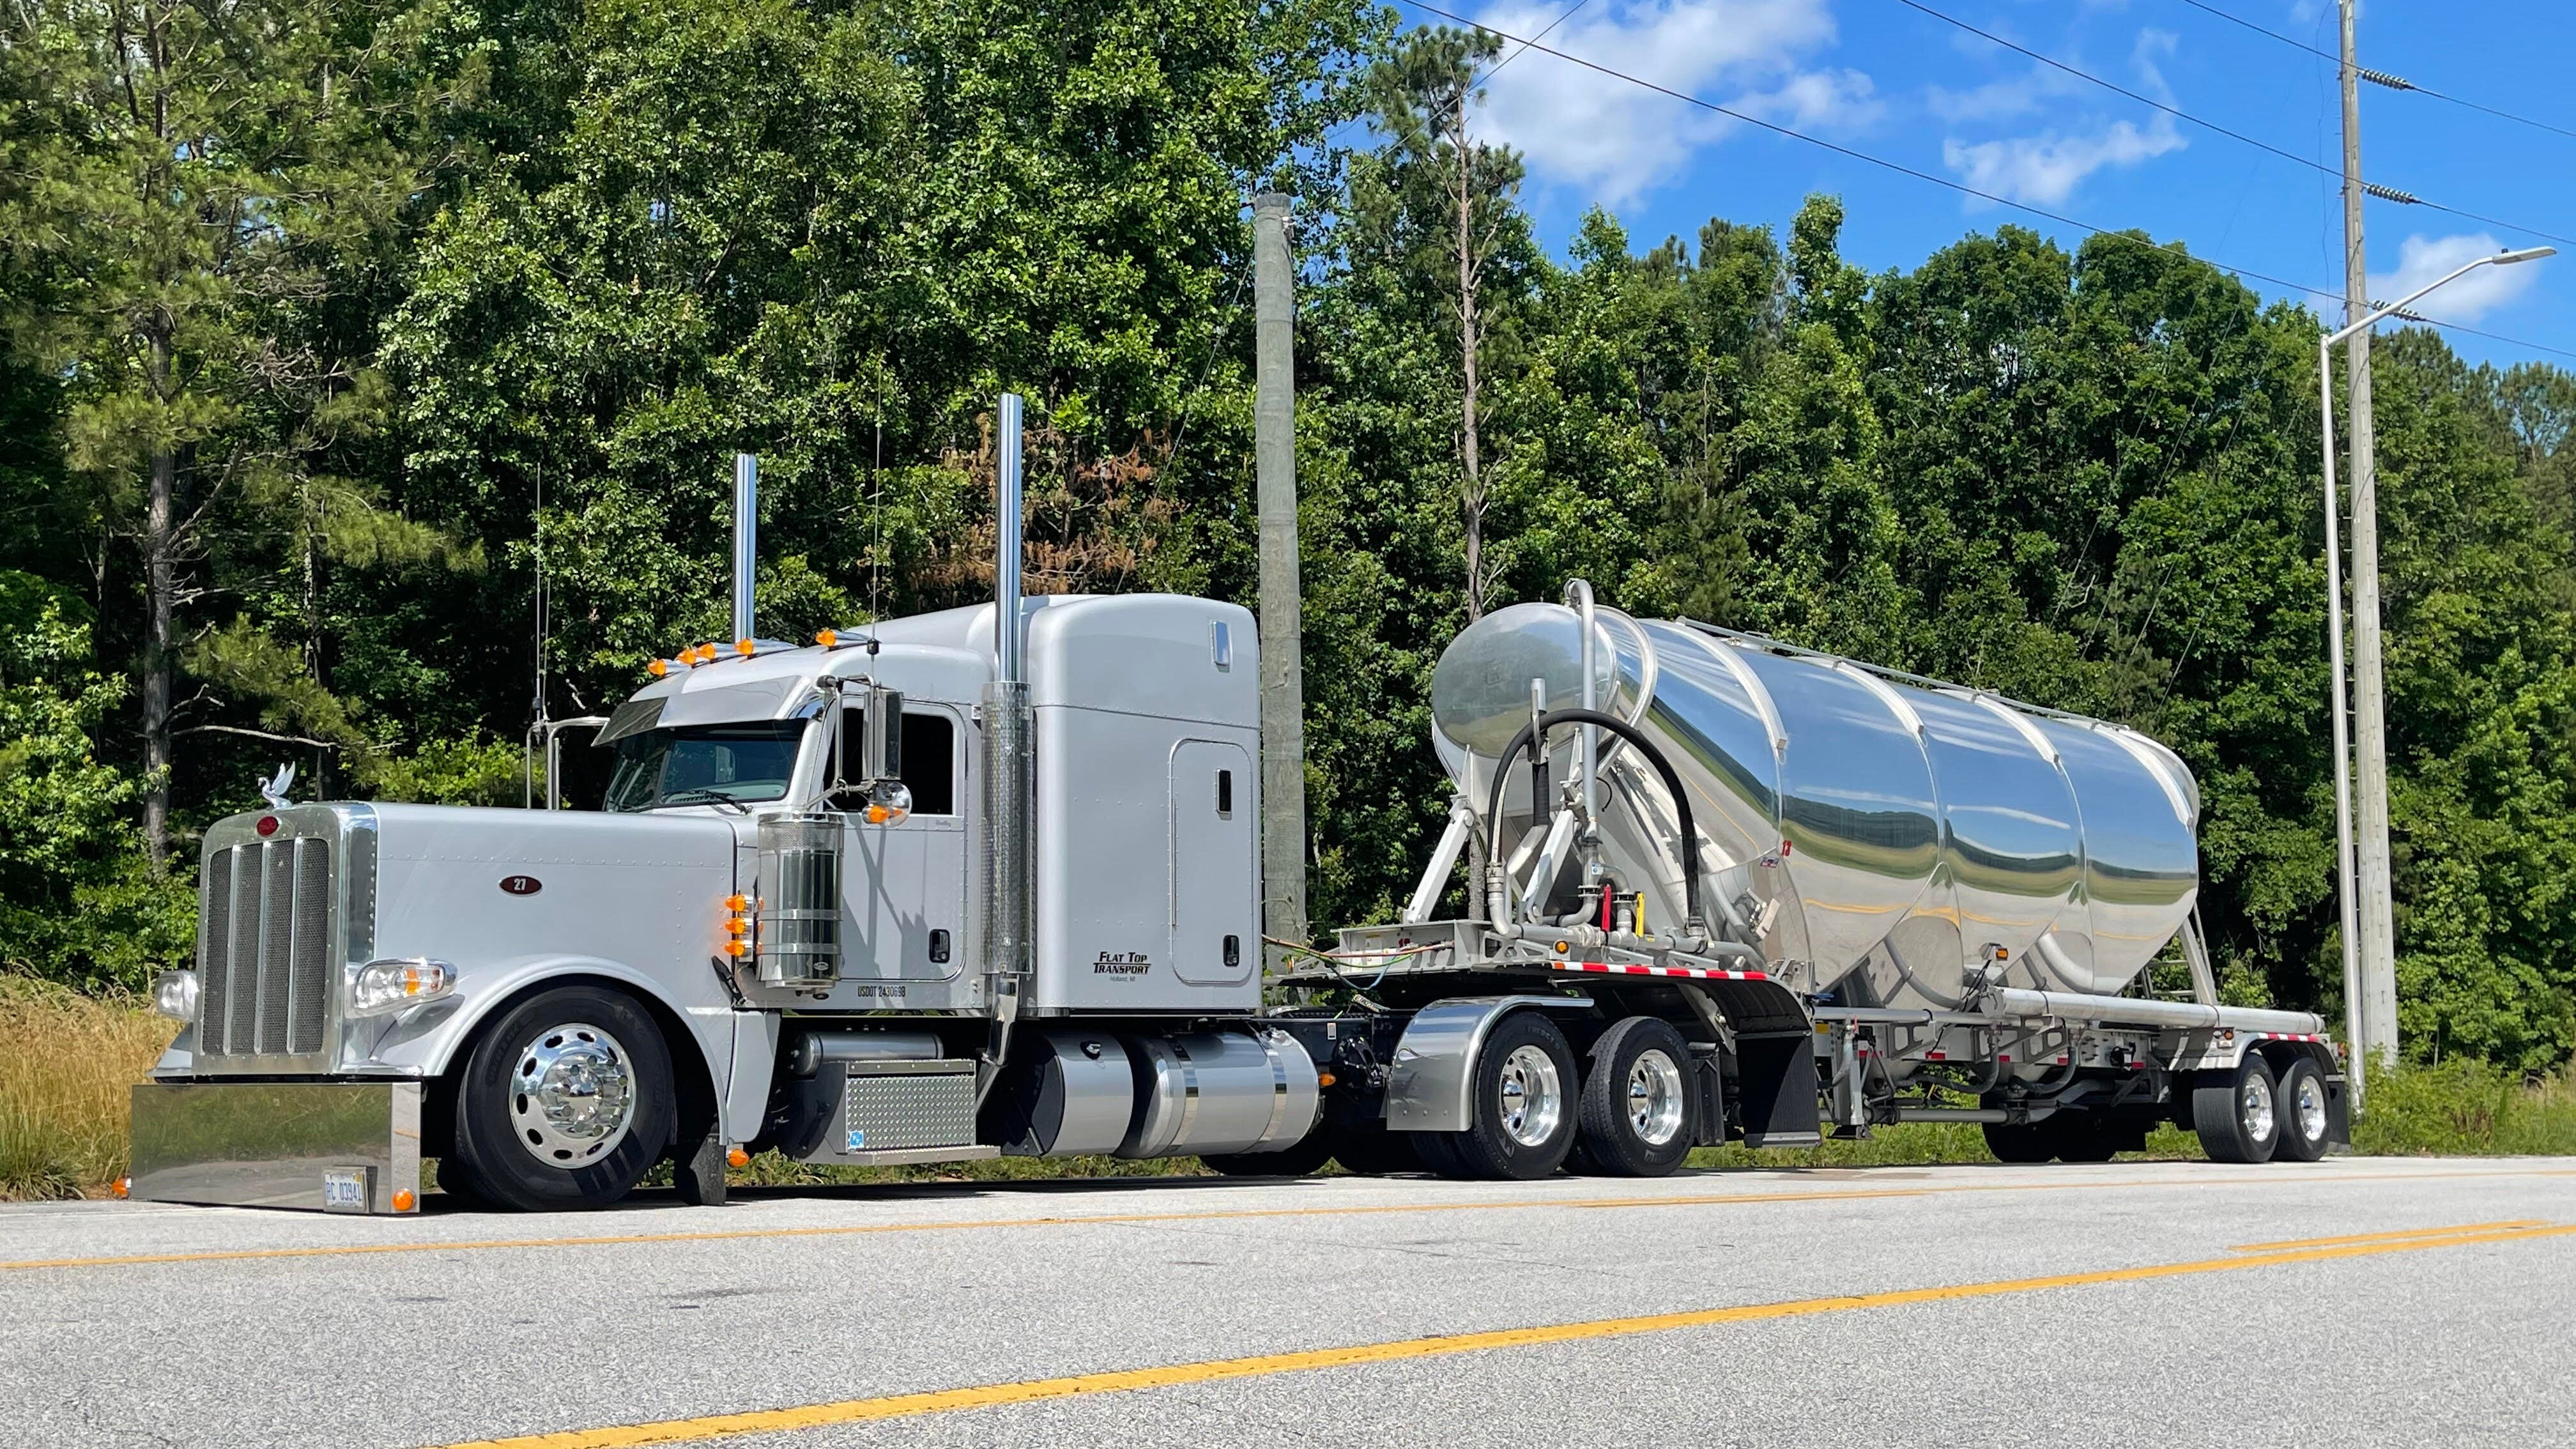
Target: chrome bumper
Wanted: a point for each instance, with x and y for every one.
(279, 1144)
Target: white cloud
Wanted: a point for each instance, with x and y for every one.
(1580, 128)
(2422, 259)
(2045, 169)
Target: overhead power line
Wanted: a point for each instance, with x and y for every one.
(1944, 182)
(2380, 77)
(2384, 193)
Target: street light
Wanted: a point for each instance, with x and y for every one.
(2378, 777)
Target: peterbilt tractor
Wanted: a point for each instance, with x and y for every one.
(986, 882)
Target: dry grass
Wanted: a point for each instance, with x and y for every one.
(66, 1062)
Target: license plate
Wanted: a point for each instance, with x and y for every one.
(344, 1192)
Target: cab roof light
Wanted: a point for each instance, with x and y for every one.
(745, 648)
(828, 638)
(658, 668)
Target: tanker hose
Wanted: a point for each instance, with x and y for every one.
(1684, 853)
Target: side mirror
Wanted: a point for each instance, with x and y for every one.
(881, 747)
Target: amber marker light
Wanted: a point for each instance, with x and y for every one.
(736, 1157)
(737, 903)
(403, 1200)
(124, 1187)
(827, 637)
(658, 668)
(744, 647)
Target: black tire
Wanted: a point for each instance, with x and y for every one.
(456, 1184)
(585, 1045)
(1521, 1105)
(1437, 1151)
(2084, 1137)
(1309, 1154)
(2237, 1112)
(1377, 1152)
(2306, 1112)
(2020, 1142)
(1636, 1115)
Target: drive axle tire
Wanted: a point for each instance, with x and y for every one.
(1303, 1159)
(565, 1101)
(1635, 1114)
(2237, 1113)
(1377, 1152)
(1520, 1104)
(2020, 1142)
(2306, 1108)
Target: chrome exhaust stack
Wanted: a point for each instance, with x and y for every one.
(1009, 858)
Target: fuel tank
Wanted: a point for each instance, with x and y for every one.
(1882, 836)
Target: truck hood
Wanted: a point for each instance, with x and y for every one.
(486, 887)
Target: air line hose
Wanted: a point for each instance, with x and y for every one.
(1683, 853)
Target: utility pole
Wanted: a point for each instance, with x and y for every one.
(2370, 716)
(1283, 674)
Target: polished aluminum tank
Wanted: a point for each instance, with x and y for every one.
(1883, 836)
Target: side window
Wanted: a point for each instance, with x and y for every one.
(929, 757)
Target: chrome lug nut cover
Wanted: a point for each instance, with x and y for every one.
(572, 1095)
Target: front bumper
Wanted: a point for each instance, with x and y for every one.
(279, 1144)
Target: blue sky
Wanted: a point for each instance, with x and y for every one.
(1883, 78)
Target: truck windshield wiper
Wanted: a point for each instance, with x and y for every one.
(702, 796)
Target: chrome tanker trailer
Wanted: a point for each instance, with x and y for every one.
(985, 882)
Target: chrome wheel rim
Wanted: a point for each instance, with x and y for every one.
(1655, 1105)
(2308, 1105)
(572, 1095)
(2254, 1107)
(1532, 1096)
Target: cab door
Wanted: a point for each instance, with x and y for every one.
(904, 883)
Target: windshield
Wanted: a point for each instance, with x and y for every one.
(705, 764)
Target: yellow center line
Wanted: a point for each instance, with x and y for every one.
(2388, 1237)
(2274, 1178)
(938, 1401)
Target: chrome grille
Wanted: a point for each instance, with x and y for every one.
(264, 949)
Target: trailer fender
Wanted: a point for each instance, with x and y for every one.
(426, 1040)
(1427, 1089)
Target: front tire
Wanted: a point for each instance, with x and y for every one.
(565, 1101)
(2306, 1113)
(1635, 1114)
(2237, 1113)
(1520, 1105)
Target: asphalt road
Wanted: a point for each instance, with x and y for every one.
(2352, 1302)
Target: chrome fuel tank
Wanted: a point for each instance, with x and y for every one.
(1892, 834)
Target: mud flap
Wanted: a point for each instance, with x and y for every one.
(1776, 1082)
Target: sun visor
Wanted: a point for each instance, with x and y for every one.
(757, 699)
(633, 717)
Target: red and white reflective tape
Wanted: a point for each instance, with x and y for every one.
(1691, 973)
(2287, 1036)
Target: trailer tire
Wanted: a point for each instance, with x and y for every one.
(566, 1100)
(2020, 1142)
(2307, 1113)
(1521, 1105)
(2083, 1137)
(1635, 1115)
(2237, 1113)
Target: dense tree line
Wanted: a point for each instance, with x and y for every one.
(327, 324)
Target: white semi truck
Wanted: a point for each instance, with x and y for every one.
(986, 882)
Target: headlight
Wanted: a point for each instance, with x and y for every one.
(382, 986)
(174, 995)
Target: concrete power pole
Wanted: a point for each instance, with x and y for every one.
(1283, 675)
(2370, 715)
